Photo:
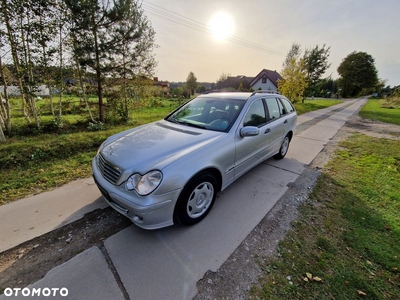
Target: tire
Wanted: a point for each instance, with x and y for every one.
(284, 148)
(196, 199)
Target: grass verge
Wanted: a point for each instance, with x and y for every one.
(381, 110)
(311, 105)
(35, 178)
(345, 244)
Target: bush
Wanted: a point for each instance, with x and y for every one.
(95, 126)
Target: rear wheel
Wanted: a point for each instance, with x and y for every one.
(196, 199)
(284, 148)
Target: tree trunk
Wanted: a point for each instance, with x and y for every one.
(98, 72)
(29, 66)
(83, 87)
(6, 111)
(2, 136)
(15, 56)
(61, 74)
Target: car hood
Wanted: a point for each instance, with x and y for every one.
(154, 146)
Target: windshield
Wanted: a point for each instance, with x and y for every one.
(208, 113)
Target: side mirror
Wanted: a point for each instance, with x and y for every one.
(249, 131)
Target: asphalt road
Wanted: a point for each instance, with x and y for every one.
(167, 263)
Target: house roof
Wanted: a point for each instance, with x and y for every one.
(273, 76)
(160, 83)
(237, 79)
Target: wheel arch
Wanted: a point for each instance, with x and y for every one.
(214, 171)
(290, 134)
(210, 170)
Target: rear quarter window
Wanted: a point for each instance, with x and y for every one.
(288, 106)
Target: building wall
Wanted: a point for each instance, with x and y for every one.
(41, 90)
(268, 86)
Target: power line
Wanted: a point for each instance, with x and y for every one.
(195, 25)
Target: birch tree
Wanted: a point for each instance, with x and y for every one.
(294, 79)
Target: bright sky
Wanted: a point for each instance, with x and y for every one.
(263, 32)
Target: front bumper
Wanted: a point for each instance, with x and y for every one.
(148, 212)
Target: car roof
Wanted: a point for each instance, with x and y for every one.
(227, 95)
(236, 95)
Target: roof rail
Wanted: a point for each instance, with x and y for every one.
(220, 91)
(264, 91)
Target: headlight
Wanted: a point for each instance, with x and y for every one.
(144, 184)
(101, 147)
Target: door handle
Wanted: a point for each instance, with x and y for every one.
(285, 122)
(268, 130)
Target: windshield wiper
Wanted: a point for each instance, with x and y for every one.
(173, 120)
(194, 125)
(186, 123)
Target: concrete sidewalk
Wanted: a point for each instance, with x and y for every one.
(163, 264)
(25, 219)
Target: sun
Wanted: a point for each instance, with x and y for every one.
(221, 26)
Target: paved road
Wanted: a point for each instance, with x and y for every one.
(167, 263)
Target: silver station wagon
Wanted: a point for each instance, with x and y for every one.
(171, 170)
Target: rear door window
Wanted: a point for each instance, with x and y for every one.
(274, 109)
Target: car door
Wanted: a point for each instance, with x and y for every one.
(251, 150)
(277, 124)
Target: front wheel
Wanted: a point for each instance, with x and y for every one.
(196, 199)
(284, 148)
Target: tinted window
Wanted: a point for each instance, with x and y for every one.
(288, 106)
(273, 108)
(255, 116)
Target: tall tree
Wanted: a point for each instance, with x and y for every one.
(63, 42)
(26, 20)
(191, 83)
(294, 53)
(5, 105)
(30, 31)
(5, 109)
(357, 72)
(294, 80)
(100, 26)
(131, 61)
(44, 32)
(9, 18)
(315, 63)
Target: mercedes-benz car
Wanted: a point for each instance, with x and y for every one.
(171, 170)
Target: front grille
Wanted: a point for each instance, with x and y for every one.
(109, 172)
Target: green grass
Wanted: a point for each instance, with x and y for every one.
(348, 233)
(384, 110)
(39, 177)
(311, 105)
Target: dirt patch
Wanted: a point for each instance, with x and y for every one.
(30, 261)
